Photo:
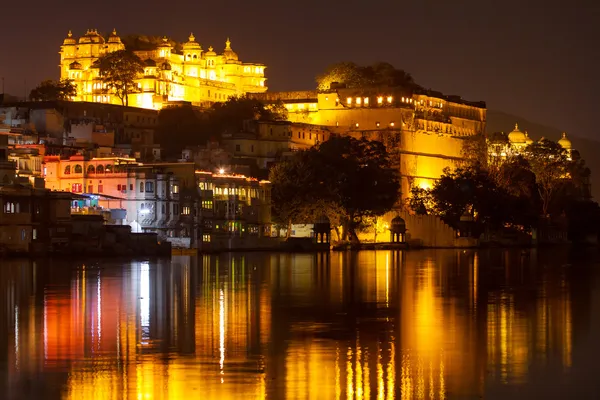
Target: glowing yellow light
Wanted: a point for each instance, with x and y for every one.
(380, 100)
(326, 98)
(403, 99)
(377, 123)
(357, 124)
(221, 171)
(389, 99)
(349, 100)
(425, 185)
(366, 100)
(392, 124)
(358, 100)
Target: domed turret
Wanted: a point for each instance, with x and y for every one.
(565, 142)
(165, 66)
(91, 36)
(75, 65)
(229, 53)
(191, 44)
(69, 41)
(528, 140)
(517, 136)
(150, 63)
(210, 52)
(114, 38)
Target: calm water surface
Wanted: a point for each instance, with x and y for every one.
(369, 325)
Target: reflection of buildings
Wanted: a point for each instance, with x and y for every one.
(380, 325)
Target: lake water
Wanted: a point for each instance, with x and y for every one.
(369, 325)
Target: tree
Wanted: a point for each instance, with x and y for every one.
(347, 179)
(421, 201)
(471, 191)
(119, 71)
(354, 76)
(229, 116)
(549, 162)
(50, 90)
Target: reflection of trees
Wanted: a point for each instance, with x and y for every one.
(372, 324)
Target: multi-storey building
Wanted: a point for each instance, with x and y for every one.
(79, 124)
(205, 210)
(171, 74)
(148, 196)
(265, 142)
(423, 131)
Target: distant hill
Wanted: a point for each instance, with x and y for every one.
(498, 121)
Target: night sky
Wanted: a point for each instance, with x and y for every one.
(536, 59)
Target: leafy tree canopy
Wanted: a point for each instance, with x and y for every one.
(345, 178)
(229, 116)
(50, 90)
(119, 70)
(354, 76)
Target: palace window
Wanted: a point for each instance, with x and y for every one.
(90, 189)
(11, 208)
(149, 187)
(76, 188)
(100, 188)
(91, 169)
(141, 187)
(175, 189)
(68, 170)
(99, 169)
(186, 210)
(78, 169)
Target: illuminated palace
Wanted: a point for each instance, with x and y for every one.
(424, 131)
(191, 75)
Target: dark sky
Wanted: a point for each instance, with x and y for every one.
(537, 59)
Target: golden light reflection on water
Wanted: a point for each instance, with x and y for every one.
(372, 325)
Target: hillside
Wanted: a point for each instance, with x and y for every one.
(589, 149)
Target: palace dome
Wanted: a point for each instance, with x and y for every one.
(114, 38)
(165, 66)
(165, 42)
(210, 52)
(517, 136)
(528, 140)
(150, 63)
(75, 65)
(228, 52)
(91, 36)
(191, 44)
(69, 39)
(565, 142)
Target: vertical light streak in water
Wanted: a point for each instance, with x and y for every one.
(380, 384)
(366, 377)
(391, 373)
(475, 279)
(99, 308)
(145, 298)
(45, 327)
(16, 337)
(431, 382)
(338, 388)
(222, 333)
(387, 279)
(442, 380)
(349, 376)
(358, 369)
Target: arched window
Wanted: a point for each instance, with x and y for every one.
(91, 169)
(99, 169)
(108, 169)
(195, 56)
(78, 169)
(68, 170)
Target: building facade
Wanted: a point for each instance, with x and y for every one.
(423, 131)
(189, 73)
